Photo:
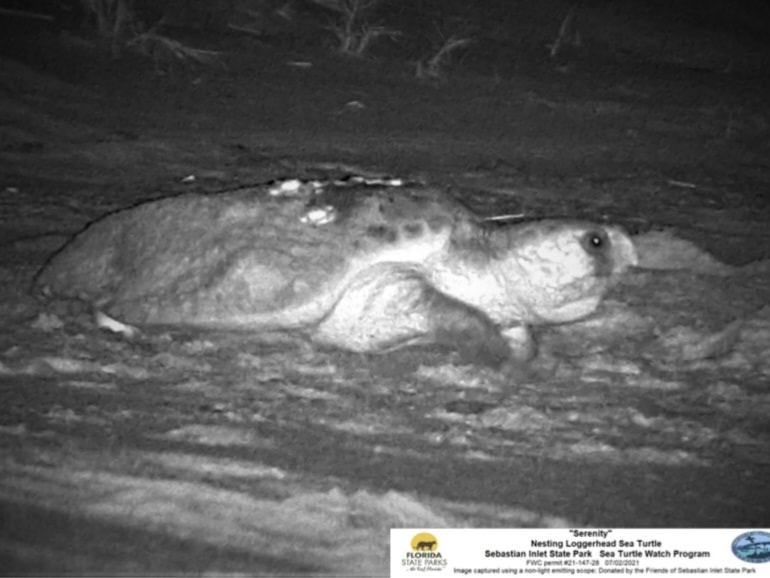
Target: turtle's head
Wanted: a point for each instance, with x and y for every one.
(569, 266)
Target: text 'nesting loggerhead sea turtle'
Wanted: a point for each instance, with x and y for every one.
(363, 268)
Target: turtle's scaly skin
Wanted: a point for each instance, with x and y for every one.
(391, 268)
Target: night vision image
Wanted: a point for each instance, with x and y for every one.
(278, 276)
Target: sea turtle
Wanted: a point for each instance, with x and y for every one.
(363, 268)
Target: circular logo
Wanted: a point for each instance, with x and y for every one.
(752, 547)
(424, 542)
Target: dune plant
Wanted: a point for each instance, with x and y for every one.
(113, 19)
(433, 66)
(166, 52)
(117, 21)
(568, 34)
(353, 27)
(261, 18)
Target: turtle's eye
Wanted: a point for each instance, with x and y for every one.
(595, 241)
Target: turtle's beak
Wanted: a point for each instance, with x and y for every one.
(624, 253)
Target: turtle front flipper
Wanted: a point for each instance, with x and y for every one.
(391, 305)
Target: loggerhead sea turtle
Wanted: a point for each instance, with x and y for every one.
(363, 268)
